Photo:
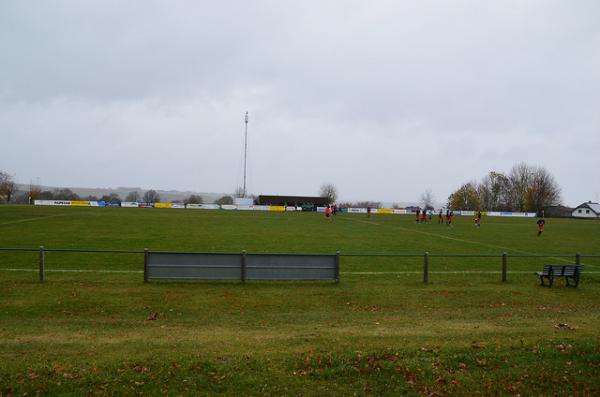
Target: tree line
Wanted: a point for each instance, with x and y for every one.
(525, 188)
(9, 193)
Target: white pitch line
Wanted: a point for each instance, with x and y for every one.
(456, 239)
(31, 219)
(454, 272)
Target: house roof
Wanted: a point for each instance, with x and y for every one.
(593, 206)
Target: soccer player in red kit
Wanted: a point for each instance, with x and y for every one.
(328, 213)
(541, 222)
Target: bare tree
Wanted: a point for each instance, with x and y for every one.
(224, 200)
(519, 177)
(494, 192)
(194, 199)
(427, 200)
(111, 198)
(65, 194)
(329, 190)
(46, 195)
(151, 196)
(7, 186)
(133, 196)
(526, 188)
(543, 191)
(35, 192)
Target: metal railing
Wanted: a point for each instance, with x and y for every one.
(426, 257)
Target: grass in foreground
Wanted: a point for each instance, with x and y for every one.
(380, 331)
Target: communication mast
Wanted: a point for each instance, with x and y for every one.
(245, 151)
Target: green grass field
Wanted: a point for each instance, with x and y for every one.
(380, 331)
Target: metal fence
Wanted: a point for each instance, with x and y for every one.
(244, 266)
(264, 266)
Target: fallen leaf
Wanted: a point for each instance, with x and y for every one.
(564, 326)
(153, 316)
(476, 345)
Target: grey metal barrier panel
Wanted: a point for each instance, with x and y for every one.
(191, 266)
(290, 267)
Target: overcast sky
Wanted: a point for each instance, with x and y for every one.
(385, 99)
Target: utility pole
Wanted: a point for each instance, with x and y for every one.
(245, 151)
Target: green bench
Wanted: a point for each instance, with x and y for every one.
(571, 273)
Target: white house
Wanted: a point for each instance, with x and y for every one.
(587, 210)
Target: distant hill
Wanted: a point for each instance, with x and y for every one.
(165, 195)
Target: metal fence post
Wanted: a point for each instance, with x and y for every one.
(337, 267)
(145, 265)
(42, 264)
(244, 266)
(577, 259)
(504, 266)
(426, 268)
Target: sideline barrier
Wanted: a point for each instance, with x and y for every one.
(203, 206)
(357, 210)
(52, 202)
(207, 266)
(274, 208)
(246, 266)
(515, 214)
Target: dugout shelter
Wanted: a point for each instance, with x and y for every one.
(296, 201)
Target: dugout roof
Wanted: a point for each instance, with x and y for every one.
(291, 200)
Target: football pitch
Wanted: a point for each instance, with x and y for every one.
(93, 327)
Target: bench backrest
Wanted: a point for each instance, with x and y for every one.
(562, 270)
(571, 271)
